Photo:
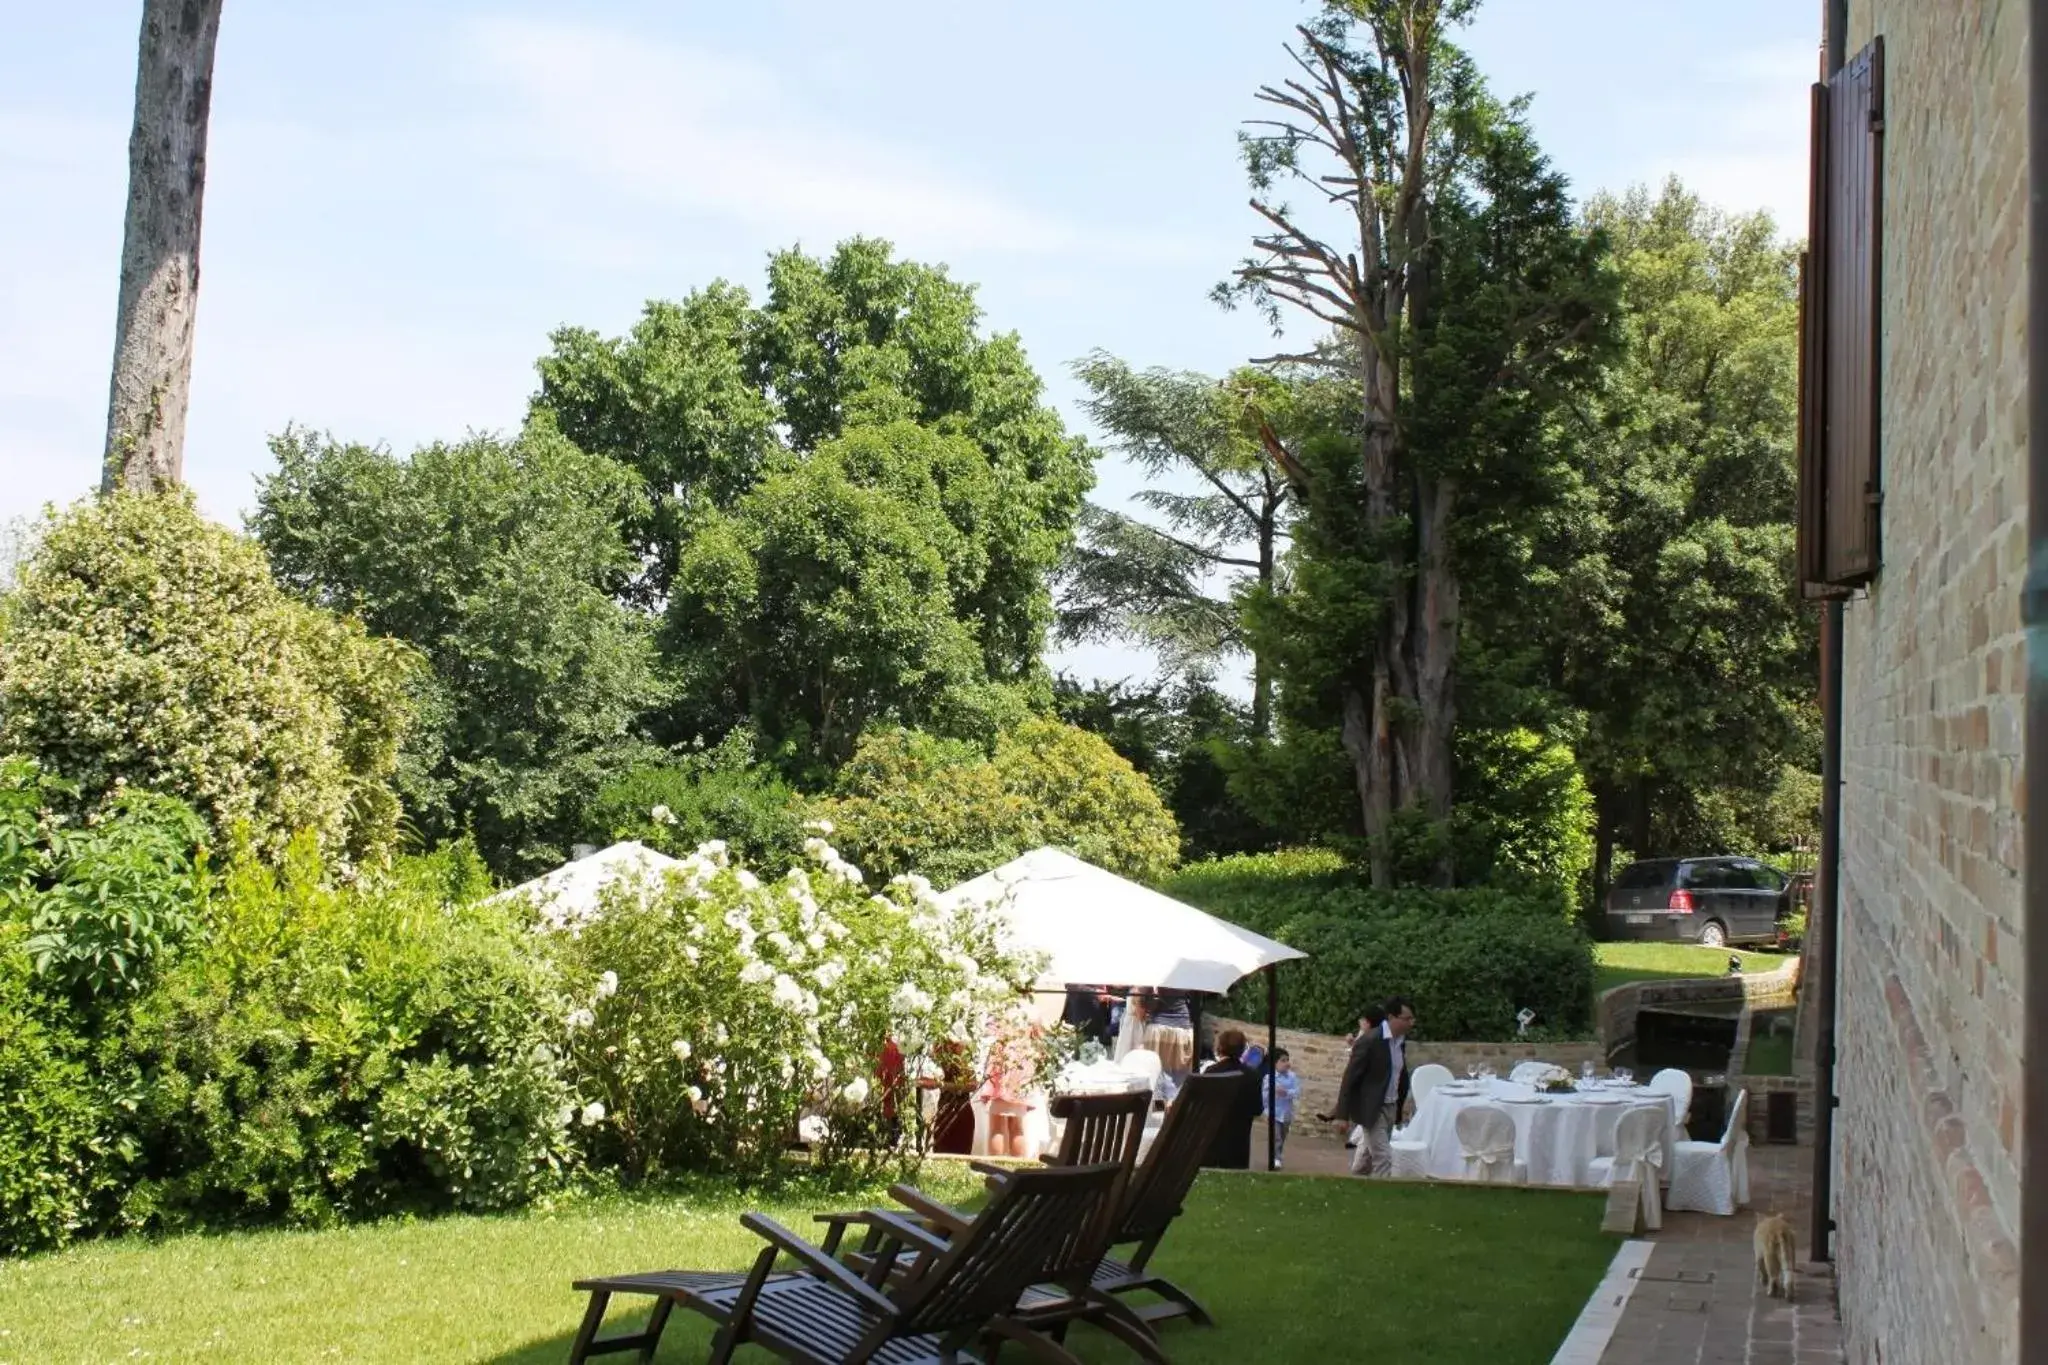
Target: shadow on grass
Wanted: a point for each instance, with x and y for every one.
(688, 1338)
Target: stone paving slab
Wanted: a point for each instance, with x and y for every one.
(1697, 1302)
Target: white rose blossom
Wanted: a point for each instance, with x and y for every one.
(593, 1113)
(581, 1019)
(855, 1091)
(607, 985)
(681, 1047)
(662, 815)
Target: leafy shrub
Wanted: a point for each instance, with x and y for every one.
(1524, 817)
(1469, 958)
(343, 1051)
(1088, 799)
(711, 1010)
(910, 801)
(719, 793)
(144, 642)
(60, 1148)
(103, 898)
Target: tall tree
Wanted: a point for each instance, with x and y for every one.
(710, 397)
(159, 299)
(1175, 581)
(1663, 597)
(1460, 297)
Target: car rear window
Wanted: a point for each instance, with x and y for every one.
(1636, 876)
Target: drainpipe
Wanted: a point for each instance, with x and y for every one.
(2033, 1162)
(1825, 974)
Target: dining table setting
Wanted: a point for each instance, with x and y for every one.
(1562, 1123)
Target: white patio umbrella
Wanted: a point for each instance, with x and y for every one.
(570, 893)
(1096, 928)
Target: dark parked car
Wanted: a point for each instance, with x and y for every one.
(1709, 901)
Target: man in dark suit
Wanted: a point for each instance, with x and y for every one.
(1231, 1149)
(1375, 1088)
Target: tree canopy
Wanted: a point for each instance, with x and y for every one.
(498, 560)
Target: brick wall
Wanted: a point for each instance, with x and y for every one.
(1928, 1189)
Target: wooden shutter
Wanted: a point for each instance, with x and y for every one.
(1840, 493)
(1812, 522)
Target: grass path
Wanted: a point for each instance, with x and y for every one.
(1467, 1276)
(1616, 964)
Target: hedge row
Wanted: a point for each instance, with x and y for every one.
(1470, 959)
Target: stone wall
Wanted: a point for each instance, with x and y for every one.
(1320, 1057)
(1930, 988)
(1615, 1012)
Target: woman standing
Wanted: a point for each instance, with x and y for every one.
(1170, 1032)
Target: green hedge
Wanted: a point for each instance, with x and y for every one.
(1470, 958)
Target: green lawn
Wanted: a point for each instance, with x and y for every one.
(1467, 1277)
(1770, 1045)
(1616, 964)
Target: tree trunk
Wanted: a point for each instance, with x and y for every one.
(1435, 647)
(160, 250)
(1604, 816)
(1262, 671)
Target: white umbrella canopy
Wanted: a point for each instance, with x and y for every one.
(570, 894)
(1098, 929)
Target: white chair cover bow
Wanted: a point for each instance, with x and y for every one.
(1486, 1138)
(1638, 1156)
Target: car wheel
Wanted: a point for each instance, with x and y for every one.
(1712, 935)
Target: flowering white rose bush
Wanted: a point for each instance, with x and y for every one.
(714, 1016)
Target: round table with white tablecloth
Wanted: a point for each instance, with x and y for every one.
(1556, 1136)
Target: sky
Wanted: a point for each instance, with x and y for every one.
(404, 199)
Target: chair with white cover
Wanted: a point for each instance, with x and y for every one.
(1143, 1061)
(1672, 1081)
(1427, 1077)
(1486, 1139)
(1713, 1177)
(1410, 1156)
(1528, 1073)
(1638, 1156)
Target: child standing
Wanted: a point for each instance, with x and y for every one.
(1283, 1090)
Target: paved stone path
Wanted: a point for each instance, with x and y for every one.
(1697, 1301)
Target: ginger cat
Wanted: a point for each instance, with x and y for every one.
(1775, 1252)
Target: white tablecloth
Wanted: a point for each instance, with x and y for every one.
(1556, 1136)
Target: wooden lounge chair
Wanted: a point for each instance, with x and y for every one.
(1041, 1226)
(1099, 1128)
(1151, 1200)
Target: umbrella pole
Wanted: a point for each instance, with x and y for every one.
(1272, 1046)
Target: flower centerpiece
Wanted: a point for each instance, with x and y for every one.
(1556, 1081)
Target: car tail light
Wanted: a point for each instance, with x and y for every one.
(1681, 902)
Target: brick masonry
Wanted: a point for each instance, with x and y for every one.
(1935, 664)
